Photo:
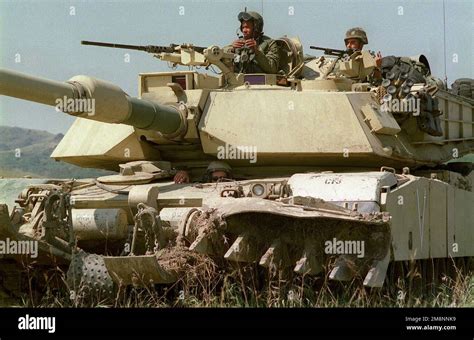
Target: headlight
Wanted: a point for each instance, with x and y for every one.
(258, 190)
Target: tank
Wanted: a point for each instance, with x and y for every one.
(332, 173)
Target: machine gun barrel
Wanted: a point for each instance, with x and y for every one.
(95, 99)
(147, 48)
(332, 51)
(155, 49)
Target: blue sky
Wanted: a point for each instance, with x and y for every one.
(43, 37)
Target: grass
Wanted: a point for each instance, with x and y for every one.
(254, 286)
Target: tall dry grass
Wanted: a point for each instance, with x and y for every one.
(208, 285)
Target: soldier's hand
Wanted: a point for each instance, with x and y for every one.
(378, 59)
(181, 176)
(251, 43)
(239, 43)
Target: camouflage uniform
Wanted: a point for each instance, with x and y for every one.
(267, 56)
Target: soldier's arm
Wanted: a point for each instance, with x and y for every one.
(268, 62)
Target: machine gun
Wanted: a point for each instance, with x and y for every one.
(184, 54)
(333, 51)
(155, 49)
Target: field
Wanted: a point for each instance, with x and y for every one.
(205, 285)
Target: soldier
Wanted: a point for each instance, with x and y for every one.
(215, 172)
(264, 54)
(355, 40)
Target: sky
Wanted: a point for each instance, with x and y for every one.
(42, 38)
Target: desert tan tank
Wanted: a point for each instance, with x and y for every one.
(326, 167)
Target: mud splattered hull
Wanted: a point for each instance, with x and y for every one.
(275, 235)
(281, 236)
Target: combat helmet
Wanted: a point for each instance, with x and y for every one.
(218, 166)
(255, 17)
(357, 33)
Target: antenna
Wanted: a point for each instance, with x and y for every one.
(444, 43)
(262, 7)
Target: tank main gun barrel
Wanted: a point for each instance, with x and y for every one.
(33, 89)
(95, 99)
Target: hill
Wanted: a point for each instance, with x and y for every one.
(26, 152)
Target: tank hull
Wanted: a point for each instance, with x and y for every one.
(353, 224)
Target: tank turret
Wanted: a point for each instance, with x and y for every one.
(335, 114)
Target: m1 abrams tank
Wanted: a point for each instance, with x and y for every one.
(329, 176)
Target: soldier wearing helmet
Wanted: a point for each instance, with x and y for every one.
(256, 53)
(215, 172)
(355, 40)
(218, 171)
